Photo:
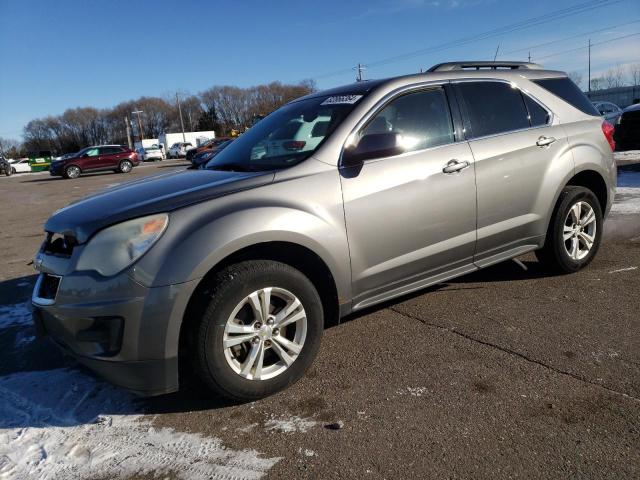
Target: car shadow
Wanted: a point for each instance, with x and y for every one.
(52, 389)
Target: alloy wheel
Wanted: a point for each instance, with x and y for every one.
(579, 231)
(265, 333)
(73, 172)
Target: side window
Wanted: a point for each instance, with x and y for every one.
(538, 116)
(493, 107)
(109, 150)
(94, 152)
(422, 119)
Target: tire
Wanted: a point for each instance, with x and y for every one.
(13, 170)
(8, 172)
(559, 253)
(72, 171)
(229, 302)
(125, 166)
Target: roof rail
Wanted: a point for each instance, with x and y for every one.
(481, 65)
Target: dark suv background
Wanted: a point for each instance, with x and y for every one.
(95, 159)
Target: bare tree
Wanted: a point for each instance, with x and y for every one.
(634, 73)
(597, 83)
(576, 76)
(11, 148)
(614, 77)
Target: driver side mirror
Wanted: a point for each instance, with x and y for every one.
(374, 145)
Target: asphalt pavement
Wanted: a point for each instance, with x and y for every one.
(505, 373)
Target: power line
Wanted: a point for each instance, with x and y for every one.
(527, 23)
(587, 46)
(569, 38)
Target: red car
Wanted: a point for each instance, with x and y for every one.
(99, 158)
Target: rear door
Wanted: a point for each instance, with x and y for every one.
(515, 145)
(109, 157)
(408, 221)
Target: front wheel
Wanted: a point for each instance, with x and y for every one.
(260, 331)
(575, 231)
(72, 171)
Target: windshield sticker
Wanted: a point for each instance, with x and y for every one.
(341, 99)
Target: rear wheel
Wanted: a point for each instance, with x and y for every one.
(260, 331)
(575, 231)
(72, 171)
(125, 166)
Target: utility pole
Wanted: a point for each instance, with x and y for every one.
(184, 139)
(359, 68)
(128, 125)
(589, 75)
(140, 131)
(529, 56)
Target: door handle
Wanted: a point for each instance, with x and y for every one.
(454, 166)
(545, 141)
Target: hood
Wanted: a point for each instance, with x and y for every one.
(160, 193)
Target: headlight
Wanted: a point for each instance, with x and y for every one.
(115, 248)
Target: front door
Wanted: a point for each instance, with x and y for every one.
(411, 218)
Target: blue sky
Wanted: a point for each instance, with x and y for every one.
(67, 53)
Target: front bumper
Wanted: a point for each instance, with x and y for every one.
(122, 330)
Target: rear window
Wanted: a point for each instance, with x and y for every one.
(570, 93)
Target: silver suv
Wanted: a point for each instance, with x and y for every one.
(231, 272)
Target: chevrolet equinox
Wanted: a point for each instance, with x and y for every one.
(335, 202)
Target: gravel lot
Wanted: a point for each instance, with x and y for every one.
(505, 373)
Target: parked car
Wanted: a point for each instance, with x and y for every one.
(231, 272)
(210, 145)
(609, 111)
(179, 150)
(95, 159)
(204, 156)
(627, 133)
(150, 153)
(20, 165)
(5, 167)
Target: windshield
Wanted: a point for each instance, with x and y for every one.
(288, 136)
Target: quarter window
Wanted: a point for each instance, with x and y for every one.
(493, 107)
(422, 119)
(538, 116)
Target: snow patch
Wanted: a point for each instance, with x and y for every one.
(290, 424)
(16, 314)
(413, 391)
(62, 424)
(627, 201)
(627, 269)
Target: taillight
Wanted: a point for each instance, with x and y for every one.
(294, 145)
(608, 130)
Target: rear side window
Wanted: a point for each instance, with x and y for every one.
(109, 150)
(422, 119)
(538, 116)
(570, 93)
(493, 108)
